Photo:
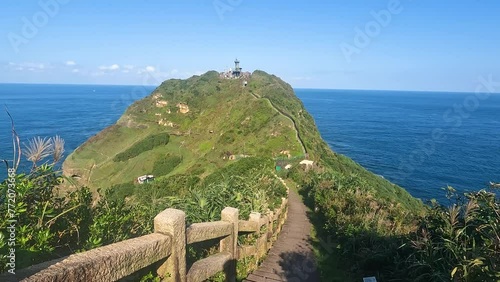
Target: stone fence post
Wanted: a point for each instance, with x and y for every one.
(173, 222)
(229, 243)
(255, 217)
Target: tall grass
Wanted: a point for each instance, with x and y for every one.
(53, 225)
(40, 148)
(460, 242)
(375, 237)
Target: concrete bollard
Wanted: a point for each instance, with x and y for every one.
(270, 229)
(173, 222)
(230, 243)
(254, 216)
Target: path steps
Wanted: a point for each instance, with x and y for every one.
(291, 258)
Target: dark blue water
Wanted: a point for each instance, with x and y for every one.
(422, 141)
(74, 112)
(418, 140)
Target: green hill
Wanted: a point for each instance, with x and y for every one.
(212, 142)
(211, 122)
(208, 120)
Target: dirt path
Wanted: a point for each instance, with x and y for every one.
(304, 150)
(291, 258)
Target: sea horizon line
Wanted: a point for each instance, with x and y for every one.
(295, 88)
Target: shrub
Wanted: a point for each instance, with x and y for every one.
(256, 192)
(241, 167)
(121, 191)
(47, 225)
(50, 224)
(461, 242)
(53, 226)
(166, 165)
(375, 237)
(367, 231)
(146, 144)
(112, 221)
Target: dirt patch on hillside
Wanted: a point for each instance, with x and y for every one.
(183, 108)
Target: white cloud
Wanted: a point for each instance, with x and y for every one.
(147, 69)
(75, 70)
(113, 67)
(70, 63)
(37, 67)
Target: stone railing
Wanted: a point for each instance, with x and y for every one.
(167, 244)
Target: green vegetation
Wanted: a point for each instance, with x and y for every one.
(359, 235)
(166, 165)
(223, 152)
(461, 242)
(361, 231)
(146, 144)
(224, 119)
(53, 226)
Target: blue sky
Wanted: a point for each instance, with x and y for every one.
(372, 44)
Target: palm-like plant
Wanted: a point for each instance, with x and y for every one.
(38, 149)
(57, 148)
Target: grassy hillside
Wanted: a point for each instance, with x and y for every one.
(212, 143)
(281, 95)
(223, 120)
(209, 132)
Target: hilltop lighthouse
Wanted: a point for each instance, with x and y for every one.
(237, 69)
(235, 73)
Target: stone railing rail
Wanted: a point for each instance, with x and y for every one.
(168, 244)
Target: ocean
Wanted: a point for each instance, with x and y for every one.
(422, 141)
(74, 112)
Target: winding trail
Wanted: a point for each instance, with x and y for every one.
(304, 150)
(291, 258)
